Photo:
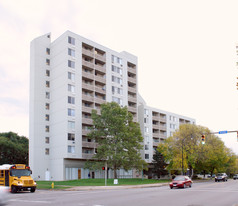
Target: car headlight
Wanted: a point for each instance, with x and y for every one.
(19, 184)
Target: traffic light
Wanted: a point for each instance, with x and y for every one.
(203, 139)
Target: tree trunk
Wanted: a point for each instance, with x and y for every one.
(115, 172)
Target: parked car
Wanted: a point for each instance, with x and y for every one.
(4, 193)
(221, 177)
(181, 182)
(235, 177)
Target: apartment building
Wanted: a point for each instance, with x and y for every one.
(156, 125)
(68, 78)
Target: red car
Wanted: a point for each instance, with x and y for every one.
(181, 181)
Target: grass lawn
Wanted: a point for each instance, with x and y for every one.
(95, 182)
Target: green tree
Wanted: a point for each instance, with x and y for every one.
(13, 149)
(159, 164)
(119, 138)
(180, 150)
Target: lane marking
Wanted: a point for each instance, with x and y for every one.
(32, 201)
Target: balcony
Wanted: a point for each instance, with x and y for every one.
(85, 132)
(87, 64)
(87, 121)
(132, 99)
(100, 79)
(131, 70)
(89, 144)
(156, 118)
(132, 90)
(87, 109)
(132, 109)
(131, 79)
(87, 156)
(87, 98)
(155, 144)
(156, 135)
(88, 86)
(100, 57)
(88, 75)
(87, 52)
(100, 90)
(99, 100)
(163, 128)
(155, 126)
(100, 68)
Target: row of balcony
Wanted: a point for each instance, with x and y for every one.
(160, 127)
(92, 54)
(91, 65)
(158, 118)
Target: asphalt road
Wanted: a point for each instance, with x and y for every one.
(201, 194)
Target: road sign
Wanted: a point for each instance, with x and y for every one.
(223, 132)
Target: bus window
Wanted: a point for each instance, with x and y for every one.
(19, 173)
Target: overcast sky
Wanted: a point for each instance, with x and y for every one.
(186, 53)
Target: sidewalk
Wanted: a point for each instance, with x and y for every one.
(83, 188)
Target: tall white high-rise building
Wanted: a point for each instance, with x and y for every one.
(68, 78)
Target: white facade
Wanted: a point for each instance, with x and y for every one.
(69, 77)
(156, 126)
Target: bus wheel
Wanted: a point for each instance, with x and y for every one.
(33, 189)
(13, 189)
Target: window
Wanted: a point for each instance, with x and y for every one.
(47, 73)
(48, 51)
(116, 90)
(146, 129)
(117, 100)
(47, 140)
(146, 147)
(71, 64)
(47, 95)
(71, 88)
(47, 62)
(71, 125)
(47, 106)
(71, 136)
(47, 151)
(116, 59)
(147, 156)
(71, 100)
(71, 40)
(146, 112)
(71, 112)
(47, 128)
(116, 79)
(71, 149)
(1, 173)
(71, 76)
(47, 117)
(116, 69)
(47, 84)
(146, 120)
(71, 52)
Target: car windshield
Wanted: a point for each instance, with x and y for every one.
(179, 178)
(19, 173)
(219, 174)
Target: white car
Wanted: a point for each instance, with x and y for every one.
(4, 195)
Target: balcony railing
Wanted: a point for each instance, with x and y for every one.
(88, 75)
(87, 98)
(87, 52)
(88, 86)
(87, 64)
(87, 121)
(132, 80)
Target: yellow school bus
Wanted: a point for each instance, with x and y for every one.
(17, 177)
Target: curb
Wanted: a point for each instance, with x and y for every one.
(85, 188)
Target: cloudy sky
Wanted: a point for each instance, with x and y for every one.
(186, 52)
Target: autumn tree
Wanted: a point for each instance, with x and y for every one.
(118, 137)
(13, 148)
(184, 150)
(159, 164)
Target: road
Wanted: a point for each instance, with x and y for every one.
(201, 194)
